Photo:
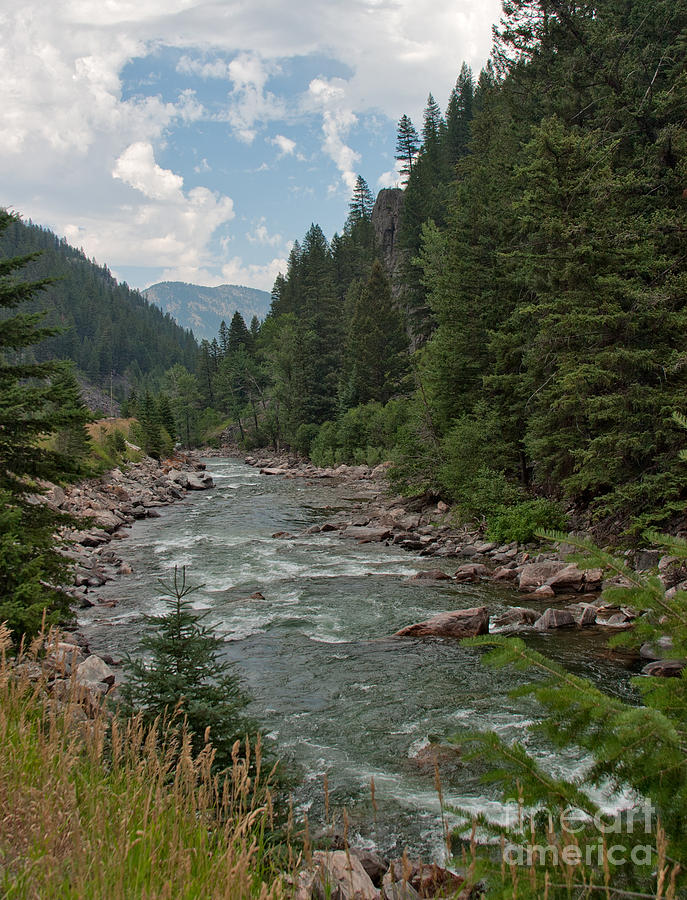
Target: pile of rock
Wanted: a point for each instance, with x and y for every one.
(353, 874)
(71, 679)
(112, 502)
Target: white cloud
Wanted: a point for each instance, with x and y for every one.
(285, 145)
(137, 168)
(260, 235)
(392, 178)
(259, 276)
(217, 68)
(249, 103)
(337, 120)
(168, 227)
(78, 151)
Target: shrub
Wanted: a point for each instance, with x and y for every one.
(525, 520)
(305, 437)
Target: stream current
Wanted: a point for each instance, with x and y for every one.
(338, 695)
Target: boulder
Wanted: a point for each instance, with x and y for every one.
(430, 575)
(534, 575)
(518, 615)
(374, 864)
(341, 876)
(568, 579)
(471, 572)
(94, 671)
(665, 668)
(460, 623)
(427, 880)
(545, 591)
(503, 573)
(484, 546)
(555, 618)
(200, 482)
(178, 477)
(367, 534)
(593, 579)
(658, 650)
(587, 616)
(399, 890)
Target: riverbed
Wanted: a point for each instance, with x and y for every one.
(336, 693)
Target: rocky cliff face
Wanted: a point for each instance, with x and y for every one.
(386, 218)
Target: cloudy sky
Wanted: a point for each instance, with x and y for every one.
(193, 140)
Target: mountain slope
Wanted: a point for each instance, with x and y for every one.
(203, 308)
(107, 328)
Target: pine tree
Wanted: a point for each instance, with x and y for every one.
(238, 335)
(166, 416)
(73, 441)
(362, 202)
(183, 679)
(31, 410)
(375, 350)
(459, 114)
(407, 146)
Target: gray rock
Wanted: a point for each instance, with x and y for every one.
(658, 650)
(94, 671)
(341, 876)
(460, 623)
(374, 864)
(430, 575)
(399, 890)
(534, 575)
(665, 668)
(471, 572)
(555, 618)
(568, 579)
(367, 535)
(518, 615)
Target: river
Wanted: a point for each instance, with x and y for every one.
(336, 693)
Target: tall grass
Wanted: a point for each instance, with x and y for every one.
(96, 807)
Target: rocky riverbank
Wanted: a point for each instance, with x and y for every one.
(107, 506)
(463, 555)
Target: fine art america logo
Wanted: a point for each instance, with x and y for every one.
(635, 821)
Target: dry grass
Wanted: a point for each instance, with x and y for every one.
(94, 808)
(103, 427)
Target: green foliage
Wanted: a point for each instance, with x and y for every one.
(305, 436)
(471, 465)
(611, 732)
(38, 402)
(183, 680)
(104, 327)
(366, 434)
(525, 520)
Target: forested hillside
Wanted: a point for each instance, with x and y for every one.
(541, 288)
(106, 328)
(202, 308)
(509, 329)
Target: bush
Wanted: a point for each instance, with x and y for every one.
(525, 520)
(305, 437)
(474, 462)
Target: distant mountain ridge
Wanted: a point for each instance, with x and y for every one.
(202, 309)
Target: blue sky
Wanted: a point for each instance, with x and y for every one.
(194, 140)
